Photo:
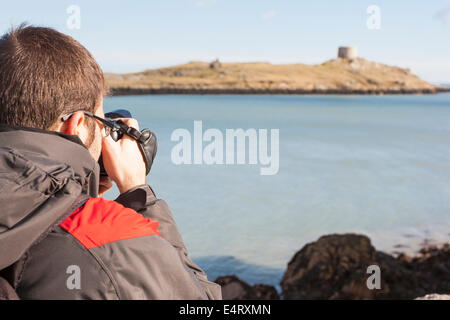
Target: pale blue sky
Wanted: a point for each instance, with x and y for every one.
(128, 36)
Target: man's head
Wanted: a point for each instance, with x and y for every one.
(45, 75)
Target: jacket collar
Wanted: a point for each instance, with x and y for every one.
(61, 147)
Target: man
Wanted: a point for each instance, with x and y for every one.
(58, 239)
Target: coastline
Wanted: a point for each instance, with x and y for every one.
(335, 266)
(237, 91)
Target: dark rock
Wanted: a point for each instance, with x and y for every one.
(126, 91)
(335, 267)
(234, 288)
(265, 292)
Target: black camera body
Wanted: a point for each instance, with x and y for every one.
(146, 139)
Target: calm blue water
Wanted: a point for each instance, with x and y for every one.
(378, 165)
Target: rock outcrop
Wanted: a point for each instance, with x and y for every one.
(336, 267)
(234, 288)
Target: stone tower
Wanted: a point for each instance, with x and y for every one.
(348, 52)
(215, 64)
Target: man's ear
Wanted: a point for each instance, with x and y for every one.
(74, 125)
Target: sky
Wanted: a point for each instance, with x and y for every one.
(135, 35)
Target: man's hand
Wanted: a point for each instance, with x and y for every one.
(123, 160)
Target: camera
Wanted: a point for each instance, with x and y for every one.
(146, 139)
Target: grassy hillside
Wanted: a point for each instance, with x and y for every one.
(333, 76)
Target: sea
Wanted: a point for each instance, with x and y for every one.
(372, 165)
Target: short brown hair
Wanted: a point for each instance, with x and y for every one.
(43, 75)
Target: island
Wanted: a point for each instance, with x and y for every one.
(347, 74)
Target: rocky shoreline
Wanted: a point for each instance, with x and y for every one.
(250, 91)
(336, 267)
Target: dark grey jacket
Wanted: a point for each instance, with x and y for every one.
(58, 240)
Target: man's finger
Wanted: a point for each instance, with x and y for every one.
(130, 122)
